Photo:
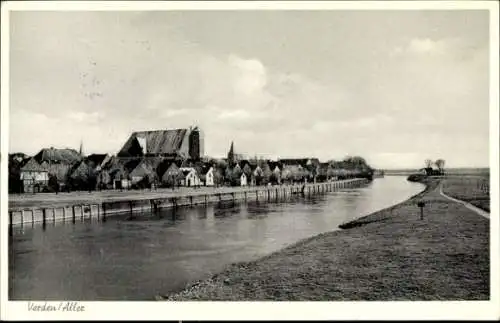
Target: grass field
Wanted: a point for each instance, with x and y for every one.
(389, 255)
(472, 189)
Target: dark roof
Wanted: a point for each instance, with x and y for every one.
(202, 168)
(162, 167)
(96, 159)
(131, 164)
(274, 164)
(68, 156)
(185, 172)
(294, 161)
(32, 165)
(166, 142)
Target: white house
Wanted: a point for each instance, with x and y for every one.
(243, 180)
(189, 177)
(209, 177)
(34, 176)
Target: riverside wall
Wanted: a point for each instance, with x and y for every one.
(102, 209)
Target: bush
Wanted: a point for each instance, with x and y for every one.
(416, 177)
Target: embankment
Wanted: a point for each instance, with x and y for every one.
(51, 208)
(392, 254)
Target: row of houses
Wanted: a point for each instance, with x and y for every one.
(168, 158)
(67, 169)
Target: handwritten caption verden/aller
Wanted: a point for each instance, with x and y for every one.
(57, 307)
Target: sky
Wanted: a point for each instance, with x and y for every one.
(395, 87)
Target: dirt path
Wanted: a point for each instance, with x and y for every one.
(466, 204)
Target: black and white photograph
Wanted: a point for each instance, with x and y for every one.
(168, 160)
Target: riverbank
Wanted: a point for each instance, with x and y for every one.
(102, 204)
(388, 255)
(472, 189)
(52, 200)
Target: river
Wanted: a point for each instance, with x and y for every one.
(137, 259)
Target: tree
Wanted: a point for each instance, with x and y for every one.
(275, 177)
(53, 183)
(428, 163)
(218, 177)
(266, 173)
(228, 175)
(247, 170)
(440, 165)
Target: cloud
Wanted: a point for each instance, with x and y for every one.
(426, 46)
(84, 117)
(249, 75)
(100, 76)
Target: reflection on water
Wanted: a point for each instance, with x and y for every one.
(136, 258)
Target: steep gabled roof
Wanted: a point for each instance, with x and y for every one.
(165, 142)
(32, 165)
(130, 164)
(67, 156)
(97, 159)
(81, 169)
(143, 168)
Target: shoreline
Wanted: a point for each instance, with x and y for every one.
(100, 208)
(284, 271)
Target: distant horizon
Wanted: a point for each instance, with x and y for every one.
(277, 158)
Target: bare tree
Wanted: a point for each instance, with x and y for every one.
(440, 165)
(428, 163)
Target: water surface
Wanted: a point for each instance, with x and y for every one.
(154, 254)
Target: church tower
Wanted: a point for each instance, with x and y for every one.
(230, 155)
(81, 148)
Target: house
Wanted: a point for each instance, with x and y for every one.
(173, 144)
(209, 177)
(168, 173)
(34, 176)
(189, 177)
(145, 170)
(98, 161)
(247, 169)
(58, 162)
(106, 175)
(205, 172)
(257, 175)
(243, 180)
(82, 176)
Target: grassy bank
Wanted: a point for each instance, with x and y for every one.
(472, 189)
(388, 255)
